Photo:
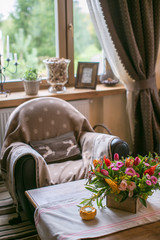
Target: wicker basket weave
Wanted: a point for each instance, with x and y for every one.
(31, 87)
(130, 204)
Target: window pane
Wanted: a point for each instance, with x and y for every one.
(86, 44)
(31, 29)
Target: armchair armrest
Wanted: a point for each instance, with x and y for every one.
(24, 169)
(25, 179)
(119, 146)
(103, 144)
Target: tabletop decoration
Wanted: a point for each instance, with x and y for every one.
(88, 212)
(126, 179)
(110, 82)
(57, 73)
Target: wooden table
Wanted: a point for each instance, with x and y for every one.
(44, 195)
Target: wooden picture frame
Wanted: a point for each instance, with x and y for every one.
(87, 75)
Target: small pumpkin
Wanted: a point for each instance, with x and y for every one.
(87, 212)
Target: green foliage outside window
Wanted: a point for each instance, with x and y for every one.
(86, 43)
(32, 33)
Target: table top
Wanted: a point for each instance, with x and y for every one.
(44, 195)
(41, 196)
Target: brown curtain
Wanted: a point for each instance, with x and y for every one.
(134, 26)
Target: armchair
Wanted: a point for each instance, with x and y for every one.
(48, 141)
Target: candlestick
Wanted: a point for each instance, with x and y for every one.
(3, 69)
(7, 47)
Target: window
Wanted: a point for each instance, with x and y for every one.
(86, 44)
(40, 29)
(30, 26)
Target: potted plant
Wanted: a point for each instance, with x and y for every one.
(31, 81)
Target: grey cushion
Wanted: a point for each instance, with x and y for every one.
(60, 148)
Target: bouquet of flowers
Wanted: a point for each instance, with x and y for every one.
(127, 177)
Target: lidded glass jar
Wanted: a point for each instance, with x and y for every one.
(57, 73)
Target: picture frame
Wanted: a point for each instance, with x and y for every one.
(87, 75)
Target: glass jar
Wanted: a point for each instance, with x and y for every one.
(57, 74)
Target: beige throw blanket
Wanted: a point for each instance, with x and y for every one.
(41, 119)
(16, 151)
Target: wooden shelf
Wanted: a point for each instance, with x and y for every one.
(16, 98)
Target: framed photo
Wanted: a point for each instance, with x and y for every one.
(87, 75)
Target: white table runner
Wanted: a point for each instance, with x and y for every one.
(61, 220)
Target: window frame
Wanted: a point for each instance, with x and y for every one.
(64, 38)
(64, 28)
(64, 43)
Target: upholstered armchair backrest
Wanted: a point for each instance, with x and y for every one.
(44, 118)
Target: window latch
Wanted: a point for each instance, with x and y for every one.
(70, 28)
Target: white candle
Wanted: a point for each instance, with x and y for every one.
(1, 44)
(7, 47)
(15, 57)
(10, 56)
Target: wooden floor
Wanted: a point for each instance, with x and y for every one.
(16, 231)
(32, 238)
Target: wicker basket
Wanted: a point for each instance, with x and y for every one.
(31, 87)
(130, 204)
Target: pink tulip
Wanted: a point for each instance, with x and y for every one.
(104, 172)
(116, 156)
(136, 161)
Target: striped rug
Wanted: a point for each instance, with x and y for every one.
(24, 230)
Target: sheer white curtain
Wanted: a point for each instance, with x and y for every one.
(111, 54)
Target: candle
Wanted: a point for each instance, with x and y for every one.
(15, 57)
(1, 44)
(10, 56)
(7, 47)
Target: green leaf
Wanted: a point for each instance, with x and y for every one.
(100, 184)
(91, 189)
(157, 170)
(93, 180)
(100, 174)
(31, 74)
(143, 201)
(85, 200)
(125, 195)
(100, 202)
(97, 202)
(141, 162)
